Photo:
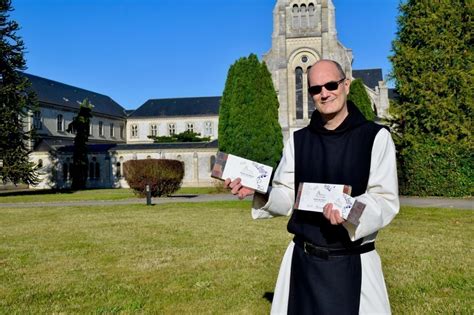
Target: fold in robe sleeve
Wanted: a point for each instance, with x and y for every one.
(381, 196)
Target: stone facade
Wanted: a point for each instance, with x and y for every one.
(304, 31)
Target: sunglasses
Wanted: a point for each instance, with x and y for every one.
(330, 86)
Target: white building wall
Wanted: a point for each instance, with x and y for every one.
(49, 122)
(144, 126)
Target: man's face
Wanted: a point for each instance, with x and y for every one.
(329, 103)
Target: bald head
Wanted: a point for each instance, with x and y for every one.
(327, 62)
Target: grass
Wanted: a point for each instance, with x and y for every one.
(206, 258)
(87, 195)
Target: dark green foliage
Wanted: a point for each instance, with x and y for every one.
(16, 102)
(433, 71)
(358, 95)
(187, 136)
(80, 125)
(248, 115)
(435, 170)
(163, 176)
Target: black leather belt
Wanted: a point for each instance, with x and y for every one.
(325, 252)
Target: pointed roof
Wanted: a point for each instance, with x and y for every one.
(370, 77)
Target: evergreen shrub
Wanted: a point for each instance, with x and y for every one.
(358, 95)
(163, 176)
(434, 169)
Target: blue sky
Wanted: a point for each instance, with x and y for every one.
(134, 50)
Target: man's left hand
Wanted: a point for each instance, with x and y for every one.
(332, 214)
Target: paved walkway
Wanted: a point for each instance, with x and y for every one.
(462, 203)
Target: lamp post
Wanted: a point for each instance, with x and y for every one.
(148, 195)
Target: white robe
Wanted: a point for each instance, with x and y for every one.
(382, 204)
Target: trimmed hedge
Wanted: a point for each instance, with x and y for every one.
(163, 176)
(428, 168)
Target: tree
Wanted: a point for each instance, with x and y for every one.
(80, 125)
(17, 101)
(358, 95)
(433, 70)
(248, 114)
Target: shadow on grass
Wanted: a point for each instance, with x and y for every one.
(268, 296)
(32, 192)
(189, 196)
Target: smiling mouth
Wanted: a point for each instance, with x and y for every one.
(327, 101)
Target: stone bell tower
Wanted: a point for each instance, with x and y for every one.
(304, 31)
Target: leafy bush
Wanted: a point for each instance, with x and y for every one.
(163, 176)
(432, 169)
(187, 136)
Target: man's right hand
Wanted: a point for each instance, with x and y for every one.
(237, 189)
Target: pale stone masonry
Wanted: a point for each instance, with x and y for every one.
(304, 31)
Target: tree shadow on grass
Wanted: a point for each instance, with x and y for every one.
(33, 192)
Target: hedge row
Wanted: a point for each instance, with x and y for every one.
(432, 169)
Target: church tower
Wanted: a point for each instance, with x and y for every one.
(304, 31)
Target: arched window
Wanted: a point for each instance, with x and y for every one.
(311, 105)
(296, 17)
(299, 92)
(311, 15)
(304, 16)
(212, 162)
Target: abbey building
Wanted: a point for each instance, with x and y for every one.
(304, 32)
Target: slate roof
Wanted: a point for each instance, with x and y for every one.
(57, 93)
(393, 94)
(171, 107)
(370, 77)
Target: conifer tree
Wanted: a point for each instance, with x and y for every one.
(17, 101)
(248, 114)
(433, 71)
(358, 95)
(80, 125)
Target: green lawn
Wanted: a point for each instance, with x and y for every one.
(206, 258)
(87, 195)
